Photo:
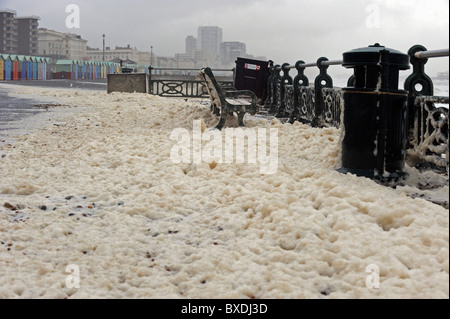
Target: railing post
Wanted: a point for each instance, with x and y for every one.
(375, 111)
(275, 88)
(150, 85)
(417, 78)
(268, 101)
(300, 80)
(323, 80)
(286, 79)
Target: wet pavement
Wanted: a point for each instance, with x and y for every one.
(97, 85)
(20, 116)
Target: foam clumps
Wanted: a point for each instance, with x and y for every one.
(101, 192)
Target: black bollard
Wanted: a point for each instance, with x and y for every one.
(375, 114)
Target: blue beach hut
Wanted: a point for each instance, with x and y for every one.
(40, 68)
(8, 67)
(2, 68)
(35, 68)
(30, 68)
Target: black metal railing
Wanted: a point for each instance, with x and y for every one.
(320, 104)
(179, 82)
(297, 100)
(428, 123)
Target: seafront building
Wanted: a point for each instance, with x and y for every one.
(230, 51)
(209, 49)
(58, 45)
(9, 34)
(209, 39)
(27, 31)
(127, 53)
(18, 34)
(21, 37)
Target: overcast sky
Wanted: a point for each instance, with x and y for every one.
(281, 30)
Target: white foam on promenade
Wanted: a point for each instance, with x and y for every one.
(101, 193)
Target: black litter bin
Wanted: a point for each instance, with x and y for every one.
(375, 113)
(252, 75)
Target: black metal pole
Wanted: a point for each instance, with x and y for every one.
(104, 48)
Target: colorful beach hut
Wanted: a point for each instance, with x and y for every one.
(35, 67)
(64, 69)
(87, 65)
(22, 66)
(83, 70)
(97, 70)
(8, 67)
(76, 67)
(14, 67)
(2, 68)
(40, 68)
(92, 70)
(80, 70)
(45, 71)
(29, 68)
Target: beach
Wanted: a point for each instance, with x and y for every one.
(94, 193)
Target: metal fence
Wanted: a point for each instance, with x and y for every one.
(320, 104)
(178, 82)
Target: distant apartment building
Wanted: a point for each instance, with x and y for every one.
(58, 45)
(27, 29)
(184, 60)
(122, 53)
(145, 58)
(230, 51)
(210, 38)
(209, 50)
(8, 32)
(18, 35)
(75, 48)
(191, 45)
(51, 44)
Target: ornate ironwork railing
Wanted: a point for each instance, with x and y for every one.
(320, 105)
(179, 85)
(428, 124)
(429, 138)
(332, 99)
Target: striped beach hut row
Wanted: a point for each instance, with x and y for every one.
(23, 67)
(77, 70)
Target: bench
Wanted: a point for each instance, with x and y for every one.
(224, 102)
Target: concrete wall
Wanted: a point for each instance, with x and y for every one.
(128, 83)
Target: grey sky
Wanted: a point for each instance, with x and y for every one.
(282, 30)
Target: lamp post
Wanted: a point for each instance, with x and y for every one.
(104, 48)
(151, 55)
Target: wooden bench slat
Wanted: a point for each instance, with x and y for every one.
(239, 102)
